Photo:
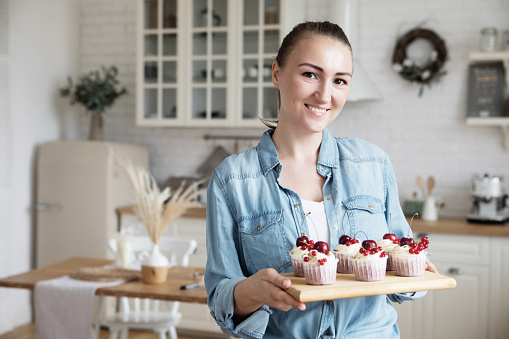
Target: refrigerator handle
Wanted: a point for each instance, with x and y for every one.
(47, 207)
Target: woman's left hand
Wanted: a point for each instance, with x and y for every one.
(430, 267)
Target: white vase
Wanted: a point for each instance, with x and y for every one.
(430, 209)
(154, 268)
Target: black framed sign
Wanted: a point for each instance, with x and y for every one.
(485, 96)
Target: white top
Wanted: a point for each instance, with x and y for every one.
(317, 220)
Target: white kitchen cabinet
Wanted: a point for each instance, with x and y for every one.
(478, 306)
(206, 63)
(499, 298)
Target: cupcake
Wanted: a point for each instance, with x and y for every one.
(388, 245)
(298, 252)
(344, 252)
(320, 265)
(370, 263)
(409, 258)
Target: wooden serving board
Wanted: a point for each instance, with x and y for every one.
(346, 286)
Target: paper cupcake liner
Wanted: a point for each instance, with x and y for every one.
(409, 265)
(298, 266)
(369, 270)
(390, 265)
(344, 262)
(317, 274)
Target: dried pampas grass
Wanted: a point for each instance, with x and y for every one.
(156, 208)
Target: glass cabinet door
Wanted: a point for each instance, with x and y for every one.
(209, 61)
(260, 30)
(159, 52)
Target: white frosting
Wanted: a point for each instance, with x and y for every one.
(375, 256)
(319, 255)
(352, 249)
(386, 244)
(405, 250)
(298, 251)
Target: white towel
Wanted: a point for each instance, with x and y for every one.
(64, 307)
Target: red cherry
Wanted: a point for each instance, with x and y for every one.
(369, 244)
(406, 241)
(302, 240)
(424, 238)
(313, 253)
(344, 238)
(390, 236)
(322, 247)
(306, 259)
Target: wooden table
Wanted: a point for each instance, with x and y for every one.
(169, 291)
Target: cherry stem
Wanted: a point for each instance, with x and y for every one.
(355, 236)
(390, 222)
(342, 220)
(302, 223)
(410, 226)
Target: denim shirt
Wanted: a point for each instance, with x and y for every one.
(253, 222)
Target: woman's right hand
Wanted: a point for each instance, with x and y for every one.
(266, 287)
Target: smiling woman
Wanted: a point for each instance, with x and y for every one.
(258, 200)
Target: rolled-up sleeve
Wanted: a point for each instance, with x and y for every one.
(224, 269)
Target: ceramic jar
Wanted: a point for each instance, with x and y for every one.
(154, 268)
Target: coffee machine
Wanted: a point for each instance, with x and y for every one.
(489, 202)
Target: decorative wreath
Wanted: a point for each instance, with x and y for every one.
(423, 73)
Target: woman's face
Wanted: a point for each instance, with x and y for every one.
(314, 83)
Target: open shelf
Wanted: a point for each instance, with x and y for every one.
(503, 122)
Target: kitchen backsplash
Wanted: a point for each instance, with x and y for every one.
(423, 135)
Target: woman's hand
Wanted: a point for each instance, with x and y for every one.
(430, 267)
(266, 287)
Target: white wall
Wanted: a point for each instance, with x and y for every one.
(42, 49)
(423, 136)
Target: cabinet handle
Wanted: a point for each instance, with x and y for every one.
(456, 271)
(47, 207)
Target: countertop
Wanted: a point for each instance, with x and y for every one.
(460, 226)
(442, 225)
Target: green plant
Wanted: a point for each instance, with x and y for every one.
(95, 91)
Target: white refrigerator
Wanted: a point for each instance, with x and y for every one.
(78, 187)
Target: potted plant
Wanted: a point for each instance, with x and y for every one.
(96, 92)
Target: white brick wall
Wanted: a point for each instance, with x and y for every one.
(423, 136)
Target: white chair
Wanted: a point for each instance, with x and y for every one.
(147, 314)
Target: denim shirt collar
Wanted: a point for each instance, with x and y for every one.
(267, 153)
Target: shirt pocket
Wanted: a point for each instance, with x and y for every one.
(263, 241)
(366, 213)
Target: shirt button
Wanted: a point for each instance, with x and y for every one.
(370, 206)
(329, 198)
(330, 302)
(258, 228)
(296, 205)
(336, 227)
